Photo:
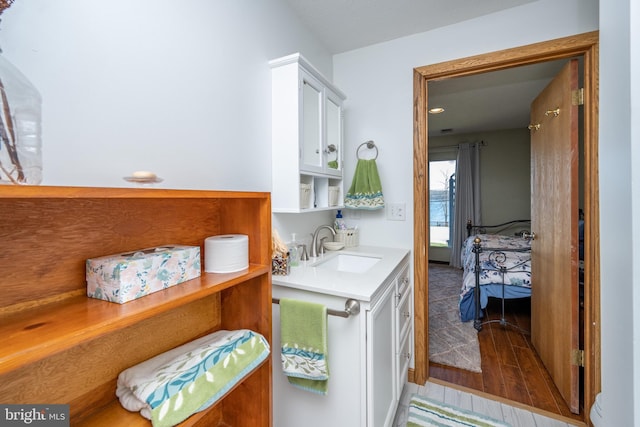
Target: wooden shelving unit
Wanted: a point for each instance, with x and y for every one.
(59, 346)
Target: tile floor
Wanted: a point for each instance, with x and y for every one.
(516, 416)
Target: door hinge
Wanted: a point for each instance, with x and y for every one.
(577, 97)
(577, 357)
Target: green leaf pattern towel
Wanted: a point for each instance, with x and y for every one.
(366, 190)
(303, 328)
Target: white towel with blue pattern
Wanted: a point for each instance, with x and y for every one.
(172, 386)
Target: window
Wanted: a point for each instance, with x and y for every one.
(442, 187)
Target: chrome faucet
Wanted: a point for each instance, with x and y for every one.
(304, 256)
(314, 240)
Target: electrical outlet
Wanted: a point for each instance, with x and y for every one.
(396, 211)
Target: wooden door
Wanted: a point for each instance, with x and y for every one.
(554, 221)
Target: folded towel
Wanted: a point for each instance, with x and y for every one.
(303, 328)
(172, 386)
(366, 190)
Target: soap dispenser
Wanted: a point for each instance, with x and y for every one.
(339, 223)
(294, 251)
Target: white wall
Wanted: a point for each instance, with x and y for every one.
(178, 88)
(620, 210)
(634, 147)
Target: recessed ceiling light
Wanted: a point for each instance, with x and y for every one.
(436, 110)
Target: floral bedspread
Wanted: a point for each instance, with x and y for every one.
(504, 259)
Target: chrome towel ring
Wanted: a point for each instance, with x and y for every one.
(370, 145)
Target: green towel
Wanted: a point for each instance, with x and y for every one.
(303, 327)
(366, 190)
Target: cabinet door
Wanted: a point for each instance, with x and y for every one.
(403, 358)
(333, 150)
(311, 138)
(381, 356)
(405, 305)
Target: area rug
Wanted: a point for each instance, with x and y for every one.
(427, 412)
(451, 342)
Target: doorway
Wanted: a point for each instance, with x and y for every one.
(585, 45)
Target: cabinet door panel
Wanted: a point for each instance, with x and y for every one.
(311, 124)
(404, 315)
(334, 134)
(381, 381)
(404, 357)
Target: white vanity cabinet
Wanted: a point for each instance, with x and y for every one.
(307, 137)
(368, 367)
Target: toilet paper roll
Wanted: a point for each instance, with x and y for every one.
(226, 253)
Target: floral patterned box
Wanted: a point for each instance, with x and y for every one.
(131, 275)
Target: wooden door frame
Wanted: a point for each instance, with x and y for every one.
(585, 45)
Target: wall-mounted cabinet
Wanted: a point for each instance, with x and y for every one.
(307, 138)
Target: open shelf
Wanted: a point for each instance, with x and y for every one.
(39, 332)
(115, 415)
(52, 334)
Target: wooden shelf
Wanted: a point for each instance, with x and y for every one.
(39, 332)
(59, 346)
(45, 192)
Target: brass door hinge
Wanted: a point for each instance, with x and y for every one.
(577, 357)
(577, 97)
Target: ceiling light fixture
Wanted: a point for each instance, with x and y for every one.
(436, 110)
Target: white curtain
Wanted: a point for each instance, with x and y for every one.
(467, 197)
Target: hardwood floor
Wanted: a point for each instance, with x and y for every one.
(511, 368)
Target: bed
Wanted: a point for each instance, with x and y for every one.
(495, 265)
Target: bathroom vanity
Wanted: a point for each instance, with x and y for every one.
(368, 353)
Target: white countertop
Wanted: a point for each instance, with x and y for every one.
(361, 286)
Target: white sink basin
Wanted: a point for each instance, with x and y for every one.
(350, 263)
